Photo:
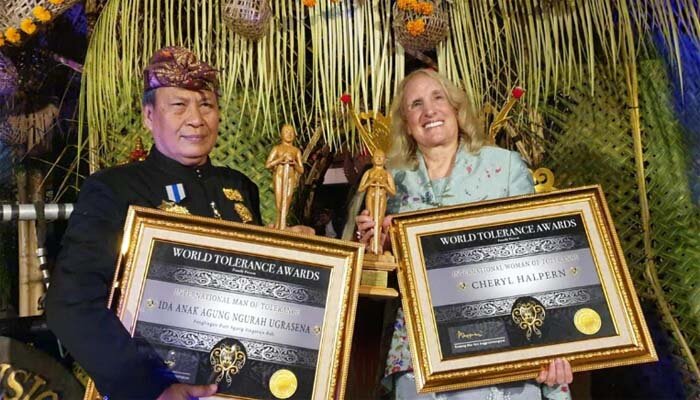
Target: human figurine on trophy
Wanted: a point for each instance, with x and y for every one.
(377, 183)
(287, 166)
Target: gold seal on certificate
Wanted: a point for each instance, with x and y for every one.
(587, 321)
(283, 384)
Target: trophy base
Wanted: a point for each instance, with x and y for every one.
(379, 262)
(375, 276)
(378, 292)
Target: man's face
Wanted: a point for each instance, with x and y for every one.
(184, 124)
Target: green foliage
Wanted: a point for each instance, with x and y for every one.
(675, 228)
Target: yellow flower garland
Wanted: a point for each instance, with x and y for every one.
(27, 26)
(12, 35)
(41, 14)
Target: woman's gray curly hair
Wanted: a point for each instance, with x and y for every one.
(404, 147)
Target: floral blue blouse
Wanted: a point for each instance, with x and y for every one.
(492, 173)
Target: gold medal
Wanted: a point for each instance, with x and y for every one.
(587, 321)
(283, 384)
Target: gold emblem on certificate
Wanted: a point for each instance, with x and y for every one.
(283, 384)
(227, 358)
(529, 315)
(587, 321)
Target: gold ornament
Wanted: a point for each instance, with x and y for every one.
(233, 194)
(227, 360)
(529, 315)
(243, 212)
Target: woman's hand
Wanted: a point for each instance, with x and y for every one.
(558, 373)
(365, 228)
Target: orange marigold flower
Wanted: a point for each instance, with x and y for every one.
(406, 4)
(41, 14)
(309, 3)
(27, 26)
(56, 2)
(415, 27)
(2, 39)
(423, 7)
(12, 35)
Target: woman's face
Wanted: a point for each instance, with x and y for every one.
(430, 118)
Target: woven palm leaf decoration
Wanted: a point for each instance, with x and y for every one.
(676, 219)
(248, 18)
(588, 141)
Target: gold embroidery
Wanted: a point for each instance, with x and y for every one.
(233, 194)
(171, 206)
(243, 212)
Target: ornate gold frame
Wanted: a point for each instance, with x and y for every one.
(344, 259)
(632, 343)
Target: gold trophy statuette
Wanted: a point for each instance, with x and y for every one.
(287, 166)
(377, 183)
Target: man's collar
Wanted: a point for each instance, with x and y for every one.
(167, 164)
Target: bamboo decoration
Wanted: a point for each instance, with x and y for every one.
(31, 288)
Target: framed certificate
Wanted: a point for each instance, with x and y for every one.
(494, 290)
(264, 313)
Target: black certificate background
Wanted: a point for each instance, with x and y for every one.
(191, 361)
(490, 319)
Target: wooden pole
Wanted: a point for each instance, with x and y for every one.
(30, 285)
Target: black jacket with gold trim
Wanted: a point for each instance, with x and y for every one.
(80, 286)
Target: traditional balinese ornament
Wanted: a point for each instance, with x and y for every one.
(8, 76)
(248, 18)
(21, 18)
(138, 153)
(419, 25)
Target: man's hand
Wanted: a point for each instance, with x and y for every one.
(180, 391)
(558, 373)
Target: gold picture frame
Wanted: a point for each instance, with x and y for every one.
(494, 290)
(287, 299)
